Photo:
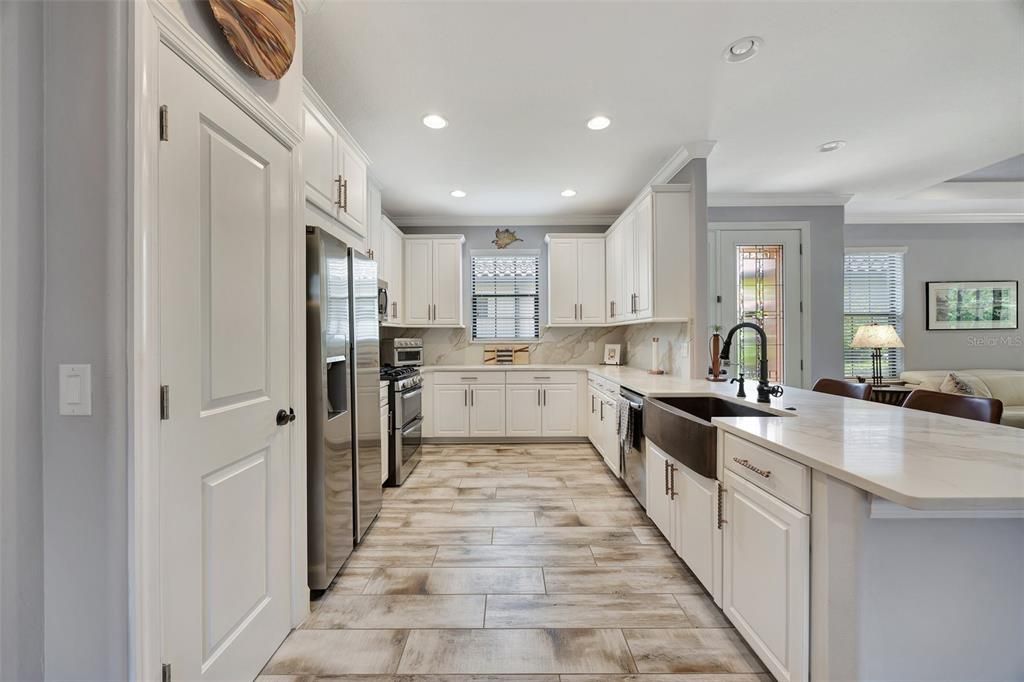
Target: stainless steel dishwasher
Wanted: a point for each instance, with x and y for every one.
(634, 451)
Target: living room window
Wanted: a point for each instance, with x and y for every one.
(506, 295)
(872, 294)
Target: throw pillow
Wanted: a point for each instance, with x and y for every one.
(964, 384)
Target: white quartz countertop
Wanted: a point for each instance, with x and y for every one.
(916, 459)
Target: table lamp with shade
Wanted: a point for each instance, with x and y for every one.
(876, 337)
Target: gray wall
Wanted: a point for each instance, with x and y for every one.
(21, 299)
(85, 321)
(826, 280)
(479, 238)
(952, 252)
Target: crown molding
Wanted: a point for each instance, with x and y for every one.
(722, 199)
(507, 221)
(931, 218)
(697, 149)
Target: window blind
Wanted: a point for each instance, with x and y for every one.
(506, 295)
(872, 293)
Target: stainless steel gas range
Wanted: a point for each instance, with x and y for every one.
(405, 401)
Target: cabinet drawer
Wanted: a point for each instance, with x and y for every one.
(603, 385)
(782, 477)
(557, 377)
(469, 378)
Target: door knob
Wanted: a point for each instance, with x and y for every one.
(285, 417)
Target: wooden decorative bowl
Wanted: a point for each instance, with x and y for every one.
(261, 32)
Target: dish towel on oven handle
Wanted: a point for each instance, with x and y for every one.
(625, 416)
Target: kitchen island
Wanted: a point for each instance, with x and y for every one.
(876, 543)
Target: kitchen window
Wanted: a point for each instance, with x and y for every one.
(506, 295)
(872, 293)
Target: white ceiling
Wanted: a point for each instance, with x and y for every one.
(922, 91)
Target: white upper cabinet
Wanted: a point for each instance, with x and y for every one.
(419, 276)
(650, 254)
(393, 265)
(375, 228)
(334, 166)
(576, 280)
(432, 280)
(320, 159)
(643, 245)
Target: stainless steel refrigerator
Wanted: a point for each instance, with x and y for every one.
(343, 447)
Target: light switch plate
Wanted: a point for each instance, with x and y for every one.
(75, 390)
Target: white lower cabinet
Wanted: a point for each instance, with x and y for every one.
(659, 499)
(694, 521)
(451, 411)
(560, 410)
(385, 436)
(602, 427)
(684, 507)
(483, 405)
(487, 410)
(766, 576)
(523, 410)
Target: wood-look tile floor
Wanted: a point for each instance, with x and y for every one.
(525, 563)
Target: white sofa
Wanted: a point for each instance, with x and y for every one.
(1005, 384)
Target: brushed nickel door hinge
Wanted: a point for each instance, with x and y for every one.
(165, 402)
(165, 672)
(163, 123)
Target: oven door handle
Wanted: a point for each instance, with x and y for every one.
(412, 425)
(412, 393)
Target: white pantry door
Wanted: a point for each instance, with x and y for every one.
(224, 225)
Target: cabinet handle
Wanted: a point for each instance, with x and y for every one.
(764, 473)
(602, 410)
(342, 201)
(666, 477)
(465, 397)
(592, 409)
(581, 311)
(611, 308)
(720, 505)
(538, 397)
(435, 312)
(472, 397)
(394, 310)
(672, 481)
(544, 391)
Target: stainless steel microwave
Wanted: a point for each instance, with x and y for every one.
(402, 352)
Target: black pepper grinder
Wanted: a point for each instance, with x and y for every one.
(740, 393)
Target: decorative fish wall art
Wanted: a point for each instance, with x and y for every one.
(504, 238)
(261, 33)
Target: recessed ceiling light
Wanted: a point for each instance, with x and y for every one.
(599, 123)
(568, 192)
(457, 193)
(743, 49)
(435, 121)
(832, 146)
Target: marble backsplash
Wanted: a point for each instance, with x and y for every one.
(673, 346)
(556, 346)
(576, 346)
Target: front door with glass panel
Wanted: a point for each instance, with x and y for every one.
(758, 281)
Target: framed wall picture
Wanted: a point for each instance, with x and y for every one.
(612, 354)
(972, 305)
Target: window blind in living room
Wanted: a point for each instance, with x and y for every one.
(872, 293)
